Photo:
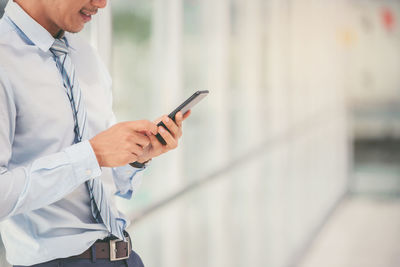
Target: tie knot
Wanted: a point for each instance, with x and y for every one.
(59, 47)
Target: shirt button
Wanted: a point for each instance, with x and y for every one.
(88, 172)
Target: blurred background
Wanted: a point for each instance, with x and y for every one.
(293, 158)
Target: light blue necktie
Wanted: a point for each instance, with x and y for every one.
(99, 203)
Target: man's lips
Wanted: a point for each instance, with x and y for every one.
(88, 12)
(87, 15)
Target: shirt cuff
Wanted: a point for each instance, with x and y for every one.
(83, 160)
(127, 179)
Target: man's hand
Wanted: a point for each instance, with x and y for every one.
(155, 148)
(123, 143)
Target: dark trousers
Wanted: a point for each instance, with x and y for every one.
(133, 261)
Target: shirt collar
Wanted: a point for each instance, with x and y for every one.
(38, 35)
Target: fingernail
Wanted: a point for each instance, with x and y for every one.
(167, 119)
(161, 129)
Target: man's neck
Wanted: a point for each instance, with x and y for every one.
(37, 11)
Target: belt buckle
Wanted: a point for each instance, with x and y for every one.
(113, 249)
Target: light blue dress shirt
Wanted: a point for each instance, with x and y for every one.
(44, 204)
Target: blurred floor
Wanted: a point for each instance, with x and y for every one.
(365, 229)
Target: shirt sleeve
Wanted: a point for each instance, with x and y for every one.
(45, 180)
(127, 180)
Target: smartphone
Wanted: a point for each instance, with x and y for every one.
(184, 107)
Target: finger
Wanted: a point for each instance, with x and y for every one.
(136, 138)
(154, 142)
(142, 126)
(178, 119)
(172, 127)
(147, 133)
(136, 150)
(187, 114)
(139, 139)
(171, 142)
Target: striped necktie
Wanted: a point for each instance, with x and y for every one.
(99, 202)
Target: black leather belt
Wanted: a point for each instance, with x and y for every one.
(114, 250)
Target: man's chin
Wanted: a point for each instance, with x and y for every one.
(75, 29)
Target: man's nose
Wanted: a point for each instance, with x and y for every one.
(99, 3)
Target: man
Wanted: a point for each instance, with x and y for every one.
(60, 162)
